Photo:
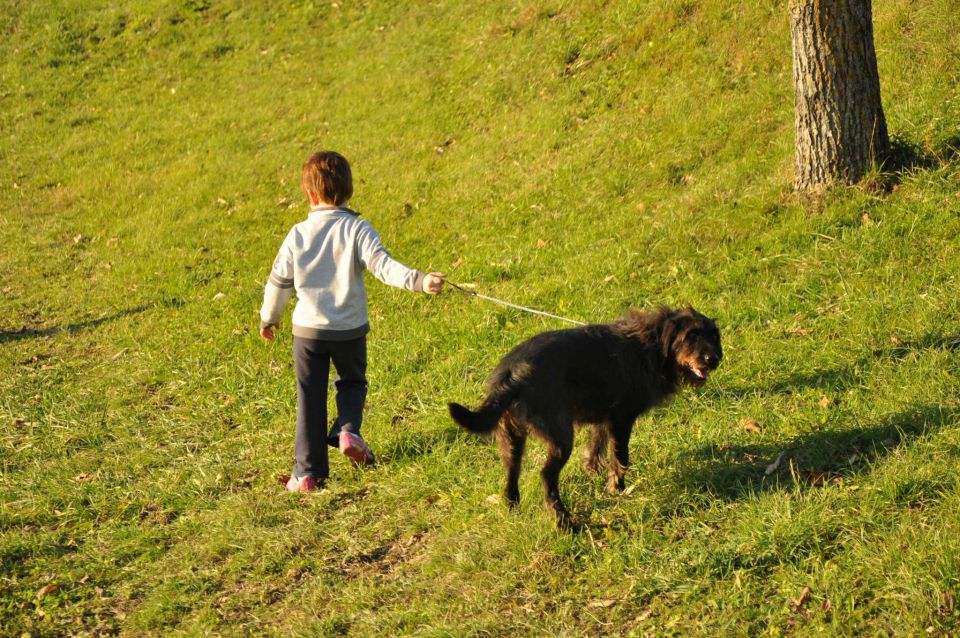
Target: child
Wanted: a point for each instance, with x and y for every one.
(323, 258)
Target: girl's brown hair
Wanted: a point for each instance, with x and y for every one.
(327, 175)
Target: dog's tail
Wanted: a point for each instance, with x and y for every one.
(487, 416)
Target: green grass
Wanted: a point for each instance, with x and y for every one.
(579, 157)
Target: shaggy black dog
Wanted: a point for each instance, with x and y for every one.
(605, 375)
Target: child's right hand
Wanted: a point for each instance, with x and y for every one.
(267, 333)
(433, 283)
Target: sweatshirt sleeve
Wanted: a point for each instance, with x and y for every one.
(279, 288)
(378, 261)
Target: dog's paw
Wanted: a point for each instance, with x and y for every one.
(569, 524)
(592, 465)
(615, 484)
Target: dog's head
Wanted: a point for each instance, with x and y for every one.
(692, 341)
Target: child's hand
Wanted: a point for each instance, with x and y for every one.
(267, 333)
(433, 282)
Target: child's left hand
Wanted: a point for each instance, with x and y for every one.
(267, 333)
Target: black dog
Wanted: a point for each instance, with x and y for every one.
(605, 375)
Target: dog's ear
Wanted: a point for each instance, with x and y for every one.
(670, 325)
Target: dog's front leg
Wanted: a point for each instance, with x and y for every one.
(619, 455)
(596, 446)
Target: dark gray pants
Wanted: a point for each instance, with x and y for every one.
(311, 358)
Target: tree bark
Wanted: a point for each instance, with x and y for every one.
(840, 128)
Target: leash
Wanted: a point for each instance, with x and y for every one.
(473, 293)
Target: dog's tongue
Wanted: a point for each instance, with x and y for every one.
(699, 372)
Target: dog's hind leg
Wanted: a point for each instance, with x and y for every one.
(593, 454)
(559, 446)
(511, 439)
(619, 454)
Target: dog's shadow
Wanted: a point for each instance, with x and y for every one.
(843, 377)
(809, 461)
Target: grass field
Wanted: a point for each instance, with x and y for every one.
(578, 156)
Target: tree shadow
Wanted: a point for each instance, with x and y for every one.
(33, 333)
(905, 157)
(810, 460)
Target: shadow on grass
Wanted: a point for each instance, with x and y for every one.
(844, 377)
(906, 156)
(814, 459)
(32, 333)
(418, 444)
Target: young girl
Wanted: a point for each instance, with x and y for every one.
(323, 259)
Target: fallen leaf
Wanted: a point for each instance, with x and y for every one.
(750, 425)
(826, 604)
(609, 278)
(493, 499)
(219, 296)
(77, 239)
(773, 467)
(602, 602)
(7, 290)
(46, 589)
(641, 206)
(541, 243)
(798, 332)
(803, 599)
(824, 402)
(947, 602)
(643, 615)
(630, 489)
(865, 218)
(634, 275)
(456, 262)
(119, 354)
(83, 477)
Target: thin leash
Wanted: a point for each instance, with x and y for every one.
(512, 305)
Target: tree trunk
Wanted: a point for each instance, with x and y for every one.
(839, 121)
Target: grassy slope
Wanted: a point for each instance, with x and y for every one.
(148, 161)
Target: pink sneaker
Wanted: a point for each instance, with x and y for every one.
(303, 484)
(355, 449)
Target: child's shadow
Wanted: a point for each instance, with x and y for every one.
(810, 460)
(419, 443)
(35, 333)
